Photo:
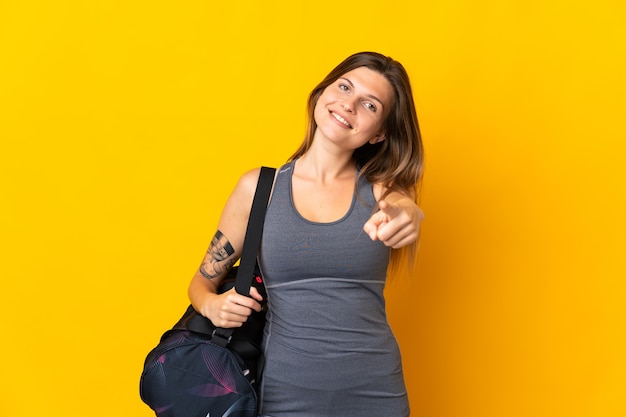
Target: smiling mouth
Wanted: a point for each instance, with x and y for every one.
(341, 120)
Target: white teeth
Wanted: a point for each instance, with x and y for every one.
(341, 119)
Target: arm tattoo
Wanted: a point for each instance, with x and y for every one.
(219, 257)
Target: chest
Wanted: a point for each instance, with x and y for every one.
(322, 202)
(296, 248)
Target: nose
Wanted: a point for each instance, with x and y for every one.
(347, 106)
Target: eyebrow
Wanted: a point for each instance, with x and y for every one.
(372, 96)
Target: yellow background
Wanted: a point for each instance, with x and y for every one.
(125, 124)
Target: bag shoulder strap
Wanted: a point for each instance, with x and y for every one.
(222, 336)
(254, 231)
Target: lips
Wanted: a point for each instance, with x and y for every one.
(341, 119)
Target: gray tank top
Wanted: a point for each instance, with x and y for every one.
(329, 350)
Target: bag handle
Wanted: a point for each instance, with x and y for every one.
(252, 241)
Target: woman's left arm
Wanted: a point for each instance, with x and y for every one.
(397, 222)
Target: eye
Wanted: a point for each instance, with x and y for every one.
(344, 87)
(370, 106)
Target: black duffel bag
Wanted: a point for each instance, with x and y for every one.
(195, 370)
(199, 370)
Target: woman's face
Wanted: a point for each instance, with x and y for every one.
(350, 112)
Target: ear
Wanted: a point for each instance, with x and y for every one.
(378, 138)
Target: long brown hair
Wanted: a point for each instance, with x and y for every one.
(396, 162)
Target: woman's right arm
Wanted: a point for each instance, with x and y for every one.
(228, 309)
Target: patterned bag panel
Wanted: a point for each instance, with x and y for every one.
(188, 376)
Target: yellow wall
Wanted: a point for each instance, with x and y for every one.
(125, 124)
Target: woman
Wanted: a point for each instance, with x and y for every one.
(342, 201)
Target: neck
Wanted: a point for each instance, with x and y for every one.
(324, 160)
(324, 166)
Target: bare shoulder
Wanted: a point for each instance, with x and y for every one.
(247, 182)
(243, 193)
(246, 186)
(236, 212)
